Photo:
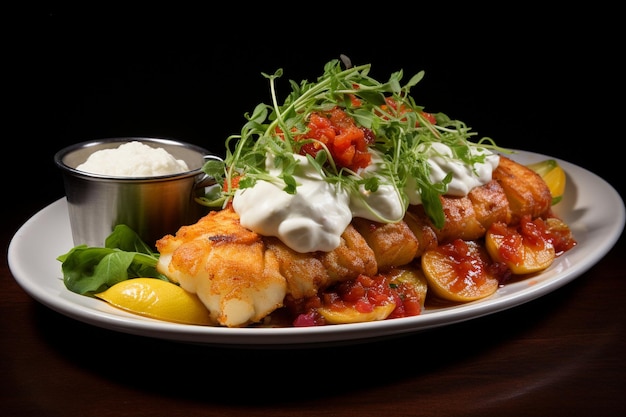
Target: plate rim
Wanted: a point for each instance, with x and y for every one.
(80, 307)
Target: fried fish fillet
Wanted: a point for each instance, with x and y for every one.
(307, 273)
(467, 217)
(393, 244)
(514, 191)
(525, 190)
(242, 277)
(226, 265)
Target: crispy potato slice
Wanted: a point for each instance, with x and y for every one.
(521, 253)
(413, 276)
(457, 271)
(352, 315)
(409, 280)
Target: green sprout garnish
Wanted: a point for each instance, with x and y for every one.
(402, 134)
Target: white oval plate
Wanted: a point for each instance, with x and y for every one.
(591, 207)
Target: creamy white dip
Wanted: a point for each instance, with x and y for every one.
(310, 220)
(133, 159)
(464, 177)
(314, 218)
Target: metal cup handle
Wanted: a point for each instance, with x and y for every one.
(206, 180)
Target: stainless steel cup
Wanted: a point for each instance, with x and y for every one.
(151, 206)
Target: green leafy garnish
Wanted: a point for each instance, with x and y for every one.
(402, 137)
(90, 270)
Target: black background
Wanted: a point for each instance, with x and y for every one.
(544, 82)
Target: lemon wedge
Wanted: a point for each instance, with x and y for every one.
(157, 299)
(553, 175)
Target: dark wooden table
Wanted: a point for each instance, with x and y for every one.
(559, 355)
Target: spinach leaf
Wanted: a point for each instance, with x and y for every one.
(90, 270)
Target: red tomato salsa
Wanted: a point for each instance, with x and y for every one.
(362, 294)
(347, 143)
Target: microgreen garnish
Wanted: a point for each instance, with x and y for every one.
(402, 134)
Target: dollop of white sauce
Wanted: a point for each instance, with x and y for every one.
(464, 177)
(133, 159)
(314, 218)
(383, 204)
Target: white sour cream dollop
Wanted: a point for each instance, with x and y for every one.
(464, 177)
(314, 218)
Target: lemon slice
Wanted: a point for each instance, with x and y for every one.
(554, 177)
(556, 182)
(157, 299)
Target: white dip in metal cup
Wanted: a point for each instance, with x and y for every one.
(151, 206)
